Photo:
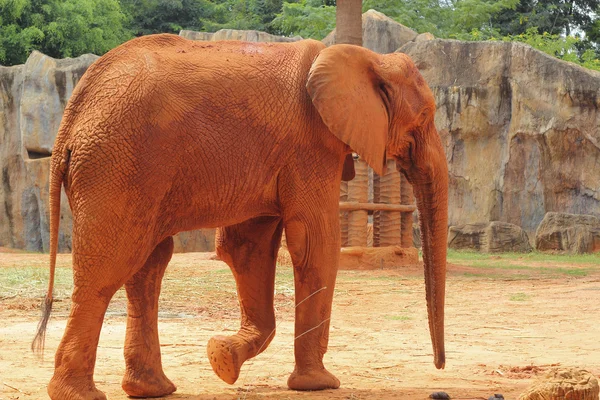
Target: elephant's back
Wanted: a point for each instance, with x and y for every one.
(165, 75)
(163, 97)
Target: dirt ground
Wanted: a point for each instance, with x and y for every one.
(503, 328)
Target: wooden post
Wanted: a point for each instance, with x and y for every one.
(389, 193)
(406, 198)
(376, 213)
(358, 191)
(344, 213)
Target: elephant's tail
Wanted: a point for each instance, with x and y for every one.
(58, 169)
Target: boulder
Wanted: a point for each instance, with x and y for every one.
(380, 33)
(416, 236)
(493, 237)
(192, 241)
(568, 232)
(521, 130)
(422, 37)
(564, 383)
(33, 97)
(235, 34)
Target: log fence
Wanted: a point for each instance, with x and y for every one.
(384, 204)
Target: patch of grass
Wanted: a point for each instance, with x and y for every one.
(32, 282)
(222, 271)
(535, 256)
(560, 264)
(480, 275)
(519, 297)
(398, 317)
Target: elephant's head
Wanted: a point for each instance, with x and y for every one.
(378, 105)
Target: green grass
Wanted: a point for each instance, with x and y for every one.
(32, 282)
(497, 264)
(519, 297)
(398, 317)
(534, 256)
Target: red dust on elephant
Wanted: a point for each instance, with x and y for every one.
(164, 135)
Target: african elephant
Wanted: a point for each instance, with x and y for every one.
(163, 135)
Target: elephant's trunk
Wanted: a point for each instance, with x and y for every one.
(431, 192)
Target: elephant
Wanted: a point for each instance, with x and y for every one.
(163, 135)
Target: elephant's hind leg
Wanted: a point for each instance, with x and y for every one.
(250, 249)
(75, 357)
(144, 376)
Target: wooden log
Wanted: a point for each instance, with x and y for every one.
(344, 214)
(358, 191)
(350, 205)
(376, 214)
(389, 193)
(406, 197)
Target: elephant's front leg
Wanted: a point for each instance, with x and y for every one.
(314, 243)
(250, 249)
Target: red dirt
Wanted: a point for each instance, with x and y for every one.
(379, 341)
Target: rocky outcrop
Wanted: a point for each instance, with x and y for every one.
(564, 383)
(32, 99)
(416, 229)
(493, 237)
(234, 34)
(568, 232)
(521, 130)
(381, 33)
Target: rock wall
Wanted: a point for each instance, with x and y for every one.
(234, 34)
(32, 100)
(521, 130)
(381, 33)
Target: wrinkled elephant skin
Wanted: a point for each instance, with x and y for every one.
(164, 135)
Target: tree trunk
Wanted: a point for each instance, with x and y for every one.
(348, 22)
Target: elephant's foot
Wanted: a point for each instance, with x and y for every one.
(313, 379)
(147, 383)
(73, 388)
(223, 354)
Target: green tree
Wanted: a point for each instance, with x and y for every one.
(16, 41)
(443, 18)
(156, 16)
(307, 18)
(59, 28)
(551, 16)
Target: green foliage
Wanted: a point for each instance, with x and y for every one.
(67, 28)
(552, 16)
(155, 16)
(59, 28)
(316, 18)
(419, 15)
(568, 48)
(519, 297)
(307, 18)
(467, 15)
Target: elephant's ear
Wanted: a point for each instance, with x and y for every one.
(349, 94)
